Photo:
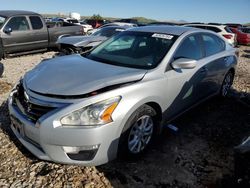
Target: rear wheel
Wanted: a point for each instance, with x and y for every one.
(140, 131)
(227, 84)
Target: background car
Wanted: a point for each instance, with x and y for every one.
(245, 30)
(86, 27)
(78, 44)
(95, 23)
(242, 38)
(223, 30)
(24, 32)
(112, 24)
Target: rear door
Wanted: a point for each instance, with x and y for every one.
(19, 39)
(40, 32)
(216, 62)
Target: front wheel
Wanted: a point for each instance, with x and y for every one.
(227, 84)
(140, 131)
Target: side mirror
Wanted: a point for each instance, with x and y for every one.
(184, 63)
(7, 30)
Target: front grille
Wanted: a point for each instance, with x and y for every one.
(31, 110)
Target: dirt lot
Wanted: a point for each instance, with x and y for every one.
(200, 154)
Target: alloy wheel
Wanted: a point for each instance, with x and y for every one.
(140, 134)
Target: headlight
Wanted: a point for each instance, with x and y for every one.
(95, 114)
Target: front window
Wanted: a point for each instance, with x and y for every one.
(142, 50)
(190, 48)
(2, 20)
(18, 24)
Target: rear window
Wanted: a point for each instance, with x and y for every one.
(245, 30)
(215, 29)
(197, 26)
(212, 44)
(107, 32)
(228, 29)
(36, 22)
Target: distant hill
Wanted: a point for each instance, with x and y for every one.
(140, 19)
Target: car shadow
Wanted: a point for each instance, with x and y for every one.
(200, 153)
(1, 69)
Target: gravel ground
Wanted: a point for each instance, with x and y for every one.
(200, 154)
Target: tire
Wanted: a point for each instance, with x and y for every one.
(138, 132)
(226, 84)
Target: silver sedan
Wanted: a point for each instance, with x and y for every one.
(87, 109)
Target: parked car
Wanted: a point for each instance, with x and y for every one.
(78, 44)
(115, 99)
(242, 38)
(86, 27)
(245, 30)
(234, 25)
(95, 23)
(23, 32)
(122, 24)
(223, 30)
(161, 23)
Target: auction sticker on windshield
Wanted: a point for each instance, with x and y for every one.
(162, 36)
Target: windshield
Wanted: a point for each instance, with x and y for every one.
(2, 20)
(107, 32)
(246, 30)
(134, 49)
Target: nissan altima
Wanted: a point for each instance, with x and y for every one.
(88, 109)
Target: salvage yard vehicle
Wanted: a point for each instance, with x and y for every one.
(78, 44)
(242, 38)
(88, 109)
(221, 29)
(23, 32)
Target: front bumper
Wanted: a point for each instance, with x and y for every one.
(48, 141)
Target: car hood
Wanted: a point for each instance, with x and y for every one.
(80, 40)
(75, 75)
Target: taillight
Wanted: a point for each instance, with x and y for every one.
(228, 36)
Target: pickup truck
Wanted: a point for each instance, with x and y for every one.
(23, 32)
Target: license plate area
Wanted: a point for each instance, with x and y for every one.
(18, 126)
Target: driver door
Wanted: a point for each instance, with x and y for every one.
(16, 35)
(184, 84)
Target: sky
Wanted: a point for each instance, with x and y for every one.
(237, 11)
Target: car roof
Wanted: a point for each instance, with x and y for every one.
(172, 30)
(9, 13)
(117, 27)
(212, 25)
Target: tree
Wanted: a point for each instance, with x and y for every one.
(96, 17)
